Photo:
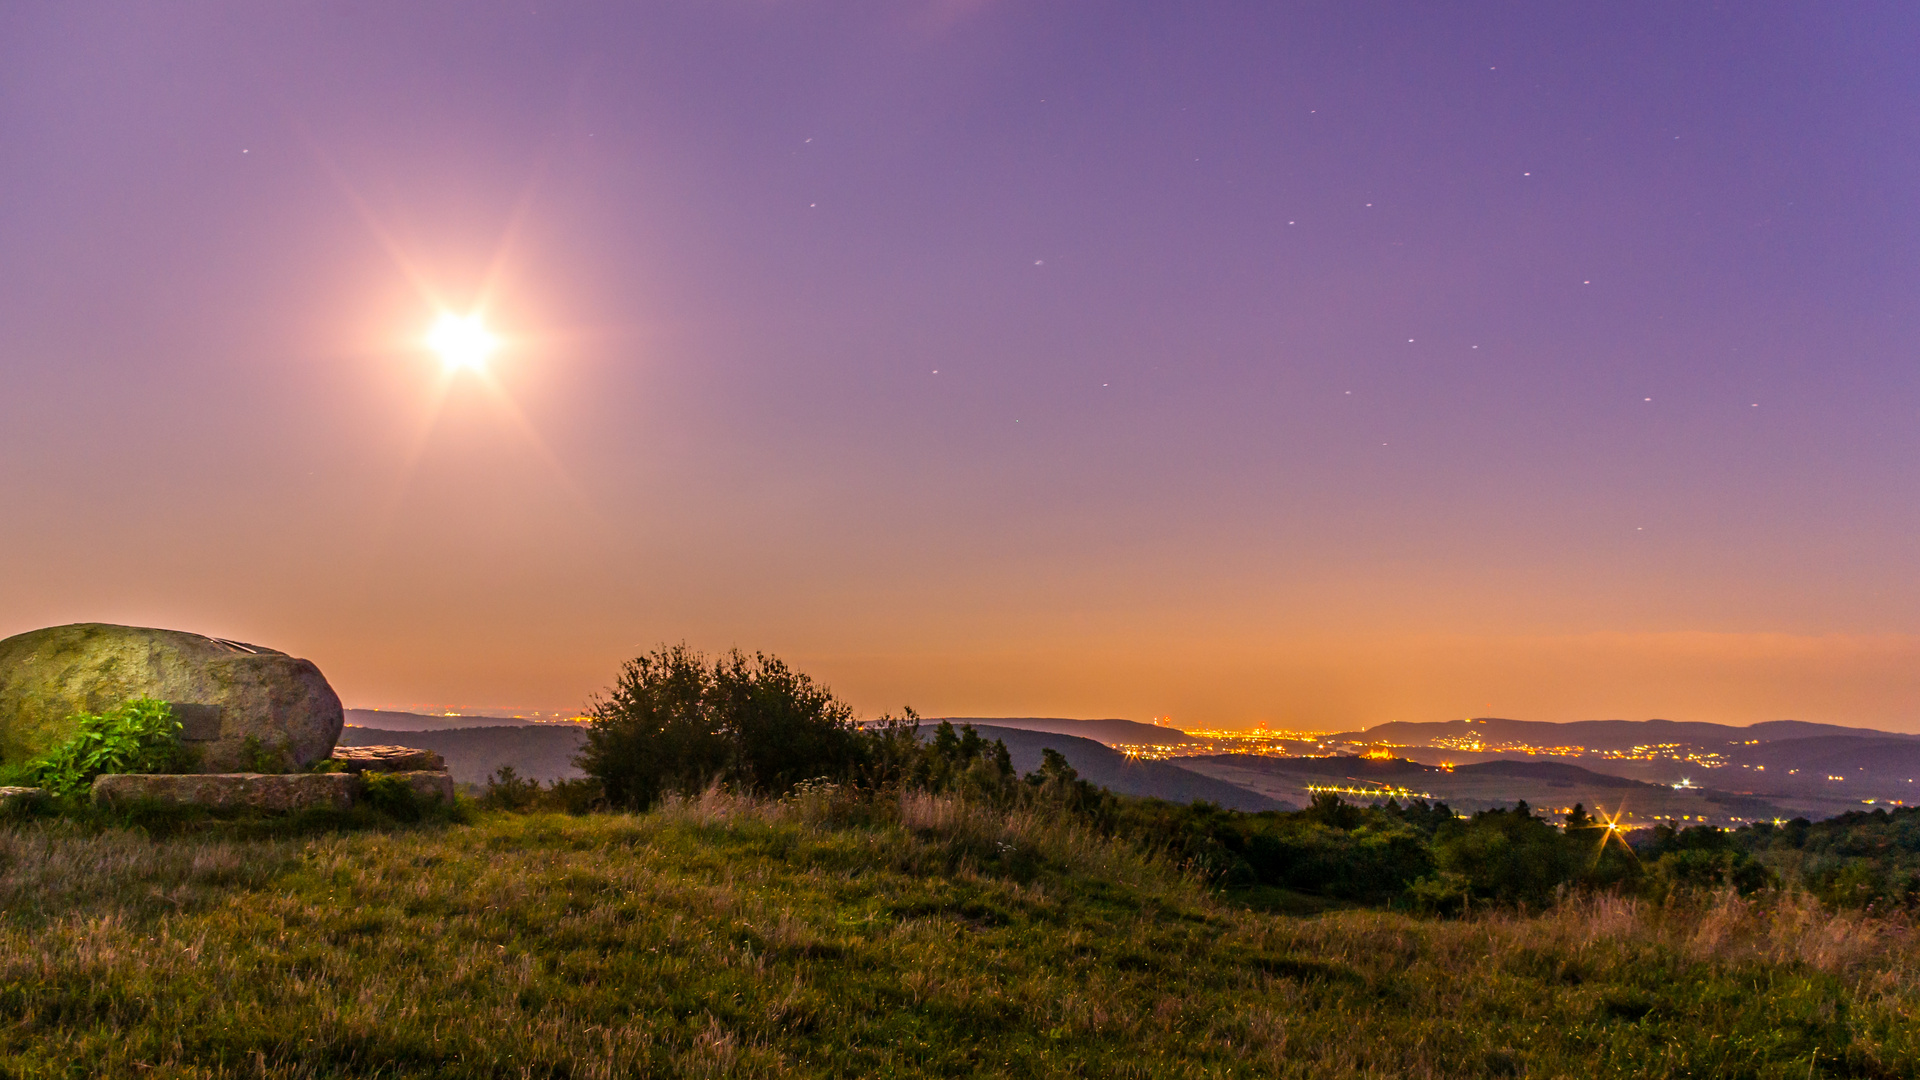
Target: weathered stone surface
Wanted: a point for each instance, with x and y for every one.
(225, 692)
(231, 791)
(388, 759)
(428, 785)
(18, 796)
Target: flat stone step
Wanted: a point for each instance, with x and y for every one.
(231, 791)
(428, 785)
(20, 796)
(261, 791)
(388, 759)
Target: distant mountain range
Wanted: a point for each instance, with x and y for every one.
(1131, 732)
(1597, 735)
(1659, 768)
(387, 720)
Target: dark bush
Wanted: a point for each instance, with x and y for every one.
(674, 723)
(391, 796)
(508, 790)
(654, 734)
(1509, 856)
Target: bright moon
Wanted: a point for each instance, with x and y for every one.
(462, 342)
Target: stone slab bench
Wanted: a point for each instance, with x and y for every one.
(20, 796)
(231, 791)
(388, 759)
(260, 791)
(427, 784)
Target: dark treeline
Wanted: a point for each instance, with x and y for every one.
(675, 723)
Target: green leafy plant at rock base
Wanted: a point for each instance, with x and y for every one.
(138, 736)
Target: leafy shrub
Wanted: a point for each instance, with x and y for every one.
(392, 796)
(653, 734)
(138, 736)
(1333, 849)
(508, 790)
(674, 723)
(954, 760)
(1701, 859)
(1508, 856)
(1440, 893)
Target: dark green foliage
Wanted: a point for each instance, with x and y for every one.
(1859, 859)
(1420, 856)
(392, 796)
(653, 733)
(781, 727)
(674, 723)
(1056, 784)
(1333, 849)
(508, 790)
(1508, 856)
(1701, 859)
(138, 736)
(953, 760)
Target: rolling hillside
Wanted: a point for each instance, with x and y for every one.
(545, 752)
(1116, 772)
(1106, 731)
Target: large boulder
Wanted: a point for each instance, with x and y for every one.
(243, 707)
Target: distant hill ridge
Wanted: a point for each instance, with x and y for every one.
(1116, 772)
(1606, 734)
(1107, 731)
(406, 721)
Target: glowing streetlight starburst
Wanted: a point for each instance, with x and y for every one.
(1610, 831)
(463, 342)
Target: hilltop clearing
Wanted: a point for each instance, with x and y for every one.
(810, 938)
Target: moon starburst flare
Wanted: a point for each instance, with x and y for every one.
(462, 341)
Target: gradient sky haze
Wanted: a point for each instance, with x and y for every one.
(1318, 364)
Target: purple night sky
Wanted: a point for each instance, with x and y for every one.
(1317, 364)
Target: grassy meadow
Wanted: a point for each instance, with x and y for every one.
(721, 936)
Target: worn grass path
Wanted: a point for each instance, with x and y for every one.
(723, 938)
